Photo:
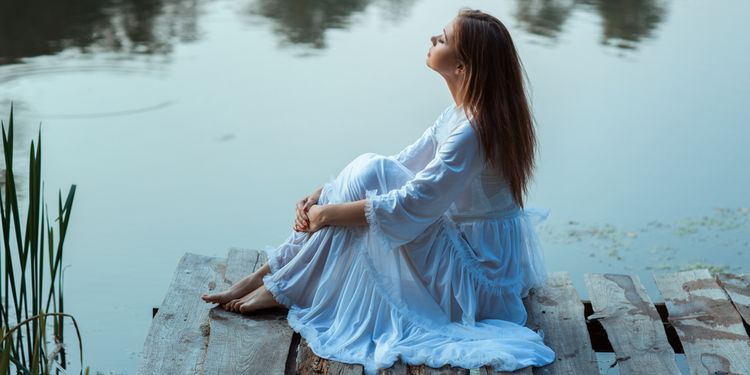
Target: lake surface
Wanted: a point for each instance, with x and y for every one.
(196, 125)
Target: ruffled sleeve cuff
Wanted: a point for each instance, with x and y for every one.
(372, 200)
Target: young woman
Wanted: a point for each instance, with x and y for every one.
(425, 255)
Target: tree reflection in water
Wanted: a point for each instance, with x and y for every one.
(45, 27)
(304, 22)
(625, 23)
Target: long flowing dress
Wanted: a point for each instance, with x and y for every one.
(437, 275)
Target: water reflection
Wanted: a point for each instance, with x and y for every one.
(46, 27)
(625, 23)
(303, 22)
(544, 17)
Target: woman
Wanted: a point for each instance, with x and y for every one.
(424, 255)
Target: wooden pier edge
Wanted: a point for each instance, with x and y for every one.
(705, 317)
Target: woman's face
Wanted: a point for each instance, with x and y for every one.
(442, 56)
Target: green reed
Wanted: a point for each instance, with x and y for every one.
(31, 292)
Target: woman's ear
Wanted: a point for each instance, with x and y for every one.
(460, 69)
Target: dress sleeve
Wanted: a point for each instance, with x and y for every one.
(416, 155)
(400, 215)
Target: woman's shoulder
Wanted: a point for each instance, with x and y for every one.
(444, 116)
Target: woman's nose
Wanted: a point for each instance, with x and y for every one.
(432, 39)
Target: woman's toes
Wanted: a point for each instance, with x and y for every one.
(216, 297)
(230, 304)
(246, 307)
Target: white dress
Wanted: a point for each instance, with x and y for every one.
(437, 275)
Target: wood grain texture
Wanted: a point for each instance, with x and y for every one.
(738, 289)
(400, 368)
(707, 323)
(558, 311)
(445, 370)
(487, 370)
(249, 344)
(177, 340)
(308, 363)
(633, 325)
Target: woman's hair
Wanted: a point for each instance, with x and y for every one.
(493, 93)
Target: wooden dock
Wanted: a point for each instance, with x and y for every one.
(703, 316)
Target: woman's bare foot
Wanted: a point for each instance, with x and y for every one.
(262, 299)
(234, 305)
(237, 290)
(258, 299)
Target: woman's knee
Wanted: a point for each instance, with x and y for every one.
(371, 171)
(381, 173)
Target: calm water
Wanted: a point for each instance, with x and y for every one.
(196, 125)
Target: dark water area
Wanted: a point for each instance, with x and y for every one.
(196, 125)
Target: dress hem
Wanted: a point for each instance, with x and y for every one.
(341, 355)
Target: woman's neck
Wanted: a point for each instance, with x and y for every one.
(454, 85)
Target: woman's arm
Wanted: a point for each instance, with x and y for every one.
(416, 155)
(398, 216)
(342, 214)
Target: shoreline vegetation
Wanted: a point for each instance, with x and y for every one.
(32, 313)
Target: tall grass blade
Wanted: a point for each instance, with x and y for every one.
(28, 276)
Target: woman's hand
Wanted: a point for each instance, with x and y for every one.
(302, 221)
(315, 216)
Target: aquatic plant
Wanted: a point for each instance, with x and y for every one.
(31, 292)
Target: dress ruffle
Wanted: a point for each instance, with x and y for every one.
(431, 301)
(401, 334)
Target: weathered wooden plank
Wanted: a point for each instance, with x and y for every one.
(445, 370)
(240, 263)
(310, 364)
(709, 327)
(558, 311)
(177, 340)
(246, 344)
(398, 368)
(487, 370)
(738, 289)
(633, 325)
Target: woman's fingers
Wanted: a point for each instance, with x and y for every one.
(309, 202)
(301, 215)
(302, 219)
(302, 207)
(301, 204)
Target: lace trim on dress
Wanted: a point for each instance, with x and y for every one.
(372, 221)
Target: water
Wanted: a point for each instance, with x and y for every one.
(196, 125)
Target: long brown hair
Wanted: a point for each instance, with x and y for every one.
(493, 93)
